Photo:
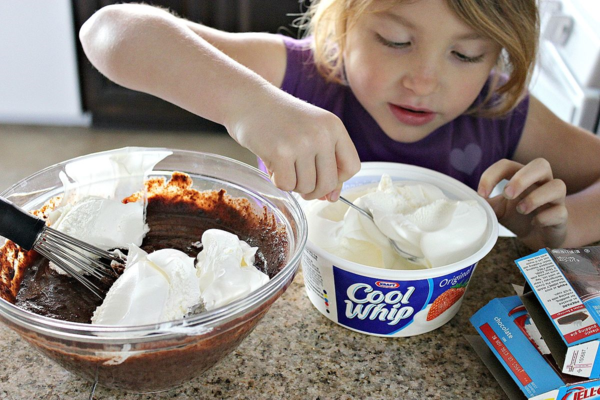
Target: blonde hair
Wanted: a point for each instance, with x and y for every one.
(512, 24)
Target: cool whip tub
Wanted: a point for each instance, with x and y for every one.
(388, 301)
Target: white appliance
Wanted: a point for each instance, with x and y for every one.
(39, 80)
(567, 74)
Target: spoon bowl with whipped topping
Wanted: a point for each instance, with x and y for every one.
(397, 249)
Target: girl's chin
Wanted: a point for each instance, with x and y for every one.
(408, 134)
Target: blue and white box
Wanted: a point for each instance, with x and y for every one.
(562, 296)
(509, 332)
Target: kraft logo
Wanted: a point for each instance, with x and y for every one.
(387, 285)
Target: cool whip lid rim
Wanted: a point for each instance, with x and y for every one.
(450, 186)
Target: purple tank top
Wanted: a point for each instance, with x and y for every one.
(463, 148)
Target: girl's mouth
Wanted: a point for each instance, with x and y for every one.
(412, 116)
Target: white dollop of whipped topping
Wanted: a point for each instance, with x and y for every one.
(113, 174)
(165, 285)
(226, 269)
(155, 287)
(91, 209)
(417, 215)
(108, 224)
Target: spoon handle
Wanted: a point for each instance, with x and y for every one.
(357, 208)
(366, 213)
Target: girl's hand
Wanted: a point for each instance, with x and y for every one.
(532, 204)
(305, 148)
(231, 79)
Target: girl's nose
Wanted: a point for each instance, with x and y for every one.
(422, 80)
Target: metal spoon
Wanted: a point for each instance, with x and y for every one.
(366, 213)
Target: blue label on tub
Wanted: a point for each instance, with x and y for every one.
(384, 307)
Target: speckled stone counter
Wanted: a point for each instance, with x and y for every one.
(296, 353)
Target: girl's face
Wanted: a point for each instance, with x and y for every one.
(416, 66)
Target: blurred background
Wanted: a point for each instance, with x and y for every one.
(54, 105)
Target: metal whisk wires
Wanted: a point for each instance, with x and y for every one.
(78, 259)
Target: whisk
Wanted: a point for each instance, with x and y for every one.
(73, 256)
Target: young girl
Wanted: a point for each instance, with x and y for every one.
(436, 83)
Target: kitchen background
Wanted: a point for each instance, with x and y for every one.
(54, 105)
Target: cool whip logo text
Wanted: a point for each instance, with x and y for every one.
(365, 302)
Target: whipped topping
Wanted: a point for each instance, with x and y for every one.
(155, 287)
(226, 269)
(90, 209)
(113, 174)
(108, 224)
(166, 285)
(417, 215)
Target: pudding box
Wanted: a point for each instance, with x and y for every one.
(545, 340)
(562, 295)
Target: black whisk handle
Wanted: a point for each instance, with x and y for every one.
(18, 225)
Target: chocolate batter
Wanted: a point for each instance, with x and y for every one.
(177, 216)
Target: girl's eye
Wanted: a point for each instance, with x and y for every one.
(393, 45)
(467, 59)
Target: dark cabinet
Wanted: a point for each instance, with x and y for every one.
(113, 106)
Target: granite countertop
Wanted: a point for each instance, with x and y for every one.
(295, 352)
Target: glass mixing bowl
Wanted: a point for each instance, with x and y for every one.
(162, 356)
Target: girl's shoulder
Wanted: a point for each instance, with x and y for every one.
(300, 62)
(303, 80)
(302, 45)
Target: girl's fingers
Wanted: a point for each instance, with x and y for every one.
(520, 176)
(284, 176)
(306, 176)
(503, 169)
(334, 195)
(537, 172)
(550, 193)
(333, 170)
(556, 215)
(347, 160)
(347, 164)
(327, 177)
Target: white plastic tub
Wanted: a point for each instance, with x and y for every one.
(387, 302)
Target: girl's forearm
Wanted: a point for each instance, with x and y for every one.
(584, 217)
(149, 50)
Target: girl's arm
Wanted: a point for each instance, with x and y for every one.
(553, 195)
(227, 78)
